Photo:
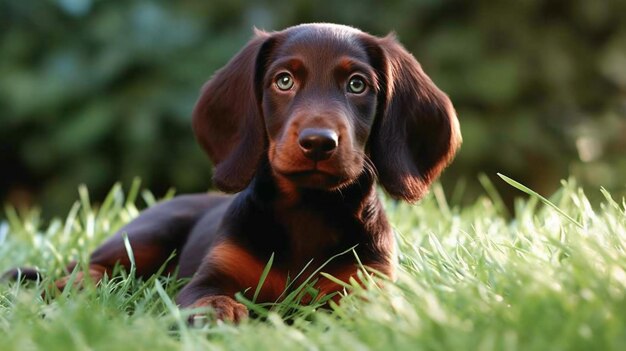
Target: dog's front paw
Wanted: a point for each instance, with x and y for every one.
(95, 274)
(224, 308)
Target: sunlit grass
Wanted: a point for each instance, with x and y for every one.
(549, 276)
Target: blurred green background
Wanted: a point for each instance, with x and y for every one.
(99, 91)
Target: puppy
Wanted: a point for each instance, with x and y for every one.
(301, 124)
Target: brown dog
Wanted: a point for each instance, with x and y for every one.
(301, 123)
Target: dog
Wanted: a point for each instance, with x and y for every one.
(301, 124)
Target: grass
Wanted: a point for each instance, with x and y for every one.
(549, 276)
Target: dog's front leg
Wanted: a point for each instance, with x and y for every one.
(349, 273)
(227, 269)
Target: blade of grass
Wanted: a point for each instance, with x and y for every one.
(458, 192)
(336, 280)
(85, 202)
(440, 196)
(131, 198)
(172, 308)
(131, 258)
(532, 193)
(264, 274)
(493, 193)
(109, 200)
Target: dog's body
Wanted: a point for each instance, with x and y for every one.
(302, 123)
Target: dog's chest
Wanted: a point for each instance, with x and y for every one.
(312, 236)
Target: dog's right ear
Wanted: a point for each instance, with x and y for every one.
(227, 118)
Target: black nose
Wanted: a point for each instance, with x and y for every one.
(318, 143)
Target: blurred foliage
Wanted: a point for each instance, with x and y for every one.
(98, 91)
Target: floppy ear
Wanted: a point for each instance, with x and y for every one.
(417, 132)
(227, 119)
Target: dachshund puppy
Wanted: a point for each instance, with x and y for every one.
(301, 124)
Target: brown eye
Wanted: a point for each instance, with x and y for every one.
(356, 85)
(284, 81)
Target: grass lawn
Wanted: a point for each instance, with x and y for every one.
(550, 276)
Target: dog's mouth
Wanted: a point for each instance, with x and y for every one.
(330, 174)
(313, 178)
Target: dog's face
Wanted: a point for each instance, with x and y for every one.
(326, 103)
(318, 99)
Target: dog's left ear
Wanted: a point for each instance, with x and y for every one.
(416, 133)
(227, 119)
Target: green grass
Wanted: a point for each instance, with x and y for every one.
(549, 276)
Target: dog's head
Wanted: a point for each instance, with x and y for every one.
(326, 103)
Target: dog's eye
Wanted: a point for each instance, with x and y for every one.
(284, 81)
(356, 85)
